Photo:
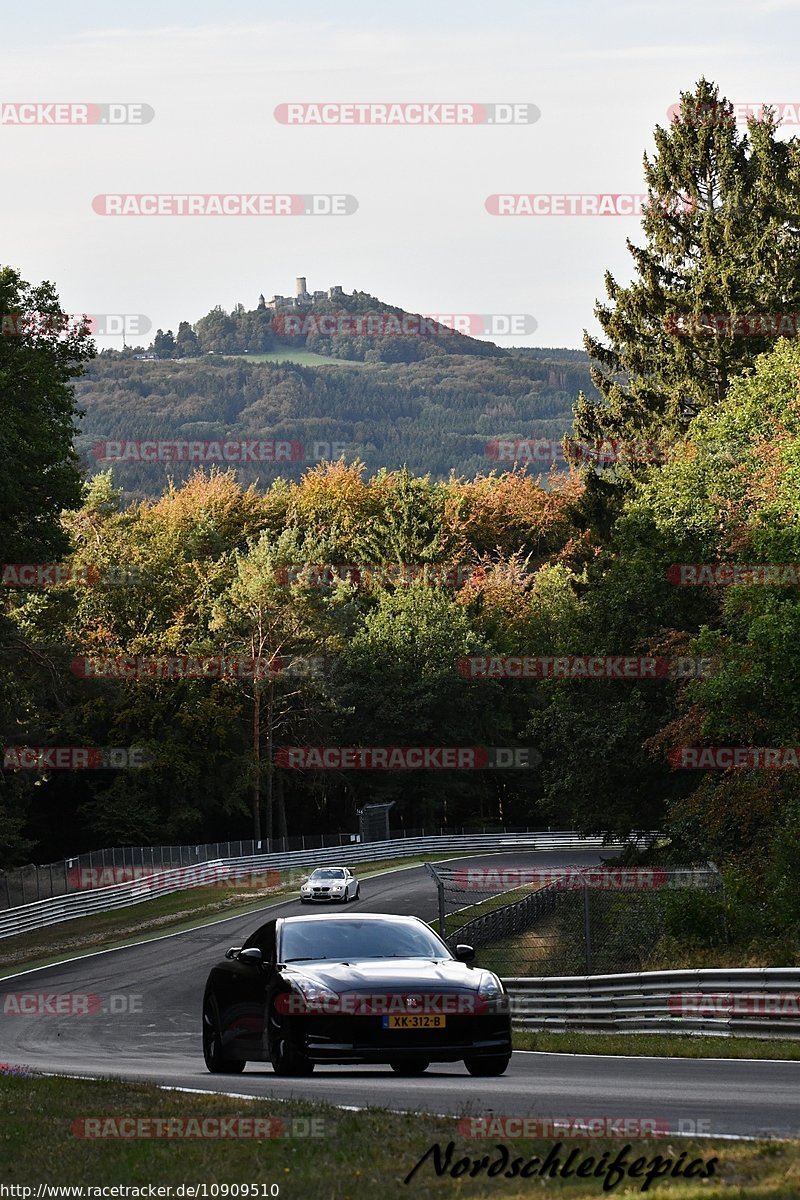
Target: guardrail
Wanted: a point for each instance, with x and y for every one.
(24, 885)
(105, 899)
(761, 1002)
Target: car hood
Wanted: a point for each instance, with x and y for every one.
(419, 974)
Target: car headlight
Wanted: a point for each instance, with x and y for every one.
(337, 887)
(315, 997)
(491, 994)
(490, 986)
(306, 887)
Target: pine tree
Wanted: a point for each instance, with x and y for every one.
(722, 243)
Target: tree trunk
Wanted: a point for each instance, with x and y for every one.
(280, 806)
(270, 770)
(256, 798)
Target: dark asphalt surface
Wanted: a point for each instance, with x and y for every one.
(146, 1026)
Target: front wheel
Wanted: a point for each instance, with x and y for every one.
(285, 1058)
(288, 1061)
(411, 1066)
(216, 1060)
(490, 1064)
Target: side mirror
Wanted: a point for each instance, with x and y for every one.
(253, 956)
(465, 954)
(232, 953)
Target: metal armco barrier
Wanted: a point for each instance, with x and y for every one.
(26, 884)
(104, 899)
(762, 1002)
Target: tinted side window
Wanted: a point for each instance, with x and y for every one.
(264, 940)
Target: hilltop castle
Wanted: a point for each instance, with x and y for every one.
(302, 298)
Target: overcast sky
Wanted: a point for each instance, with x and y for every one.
(602, 76)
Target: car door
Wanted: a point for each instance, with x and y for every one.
(249, 984)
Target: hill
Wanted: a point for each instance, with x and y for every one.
(433, 400)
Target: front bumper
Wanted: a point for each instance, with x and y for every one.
(363, 1039)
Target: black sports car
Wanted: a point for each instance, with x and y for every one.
(360, 988)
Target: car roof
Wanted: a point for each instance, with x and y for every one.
(355, 917)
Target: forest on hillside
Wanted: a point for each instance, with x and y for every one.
(437, 416)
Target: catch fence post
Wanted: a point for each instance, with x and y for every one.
(440, 889)
(587, 929)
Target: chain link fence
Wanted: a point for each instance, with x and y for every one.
(578, 920)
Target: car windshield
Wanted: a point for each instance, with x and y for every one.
(328, 874)
(349, 941)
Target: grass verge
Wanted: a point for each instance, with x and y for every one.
(656, 1044)
(463, 916)
(359, 1155)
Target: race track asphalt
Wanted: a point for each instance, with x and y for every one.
(160, 1041)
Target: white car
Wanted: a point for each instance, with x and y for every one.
(330, 883)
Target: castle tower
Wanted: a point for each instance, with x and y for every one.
(300, 287)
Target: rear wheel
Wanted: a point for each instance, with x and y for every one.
(216, 1060)
(490, 1064)
(409, 1066)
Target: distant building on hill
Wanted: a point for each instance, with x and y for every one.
(302, 297)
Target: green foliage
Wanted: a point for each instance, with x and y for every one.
(41, 351)
(721, 241)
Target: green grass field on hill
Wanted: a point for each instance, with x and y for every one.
(305, 358)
